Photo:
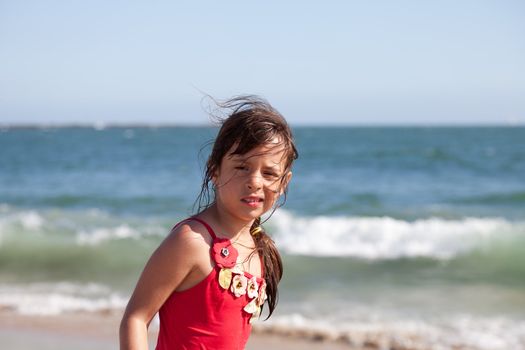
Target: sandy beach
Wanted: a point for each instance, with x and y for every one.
(83, 331)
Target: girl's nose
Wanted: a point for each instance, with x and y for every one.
(254, 182)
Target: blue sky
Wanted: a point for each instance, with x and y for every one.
(339, 62)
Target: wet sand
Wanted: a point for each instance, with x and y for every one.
(83, 331)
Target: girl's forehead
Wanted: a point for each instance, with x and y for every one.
(275, 151)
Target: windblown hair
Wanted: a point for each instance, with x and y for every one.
(252, 122)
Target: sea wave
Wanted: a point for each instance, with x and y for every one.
(373, 238)
(57, 298)
(360, 327)
(456, 332)
(386, 237)
(87, 227)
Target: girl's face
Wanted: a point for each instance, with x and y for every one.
(248, 185)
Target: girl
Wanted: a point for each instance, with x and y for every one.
(212, 274)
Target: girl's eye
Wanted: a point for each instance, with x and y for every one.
(240, 167)
(271, 174)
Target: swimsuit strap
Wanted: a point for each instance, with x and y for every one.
(208, 227)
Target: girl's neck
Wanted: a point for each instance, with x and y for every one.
(228, 226)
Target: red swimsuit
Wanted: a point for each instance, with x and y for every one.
(216, 312)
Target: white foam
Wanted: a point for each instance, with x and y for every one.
(89, 227)
(57, 298)
(29, 220)
(385, 237)
(96, 236)
(456, 332)
(361, 237)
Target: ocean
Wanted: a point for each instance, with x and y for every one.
(407, 234)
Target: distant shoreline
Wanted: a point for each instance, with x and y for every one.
(102, 126)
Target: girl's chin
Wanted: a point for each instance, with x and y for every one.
(250, 215)
(247, 212)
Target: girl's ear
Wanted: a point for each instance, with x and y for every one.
(286, 181)
(215, 177)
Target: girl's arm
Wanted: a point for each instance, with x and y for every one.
(167, 267)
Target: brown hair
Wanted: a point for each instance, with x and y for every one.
(252, 122)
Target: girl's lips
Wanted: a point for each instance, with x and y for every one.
(252, 201)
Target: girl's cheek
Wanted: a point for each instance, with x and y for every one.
(273, 189)
(274, 195)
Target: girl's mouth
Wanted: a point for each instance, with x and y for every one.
(252, 201)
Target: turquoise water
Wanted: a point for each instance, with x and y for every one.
(422, 227)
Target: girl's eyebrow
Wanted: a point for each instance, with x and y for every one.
(235, 156)
(276, 167)
(240, 159)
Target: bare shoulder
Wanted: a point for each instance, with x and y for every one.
(173, 265)
(187, 244)
(188, 237)
(184, 255)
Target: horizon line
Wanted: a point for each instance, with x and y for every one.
(101, 126)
